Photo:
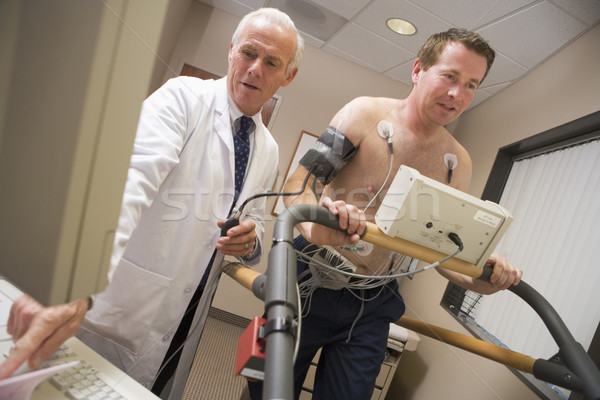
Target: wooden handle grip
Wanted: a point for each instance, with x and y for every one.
(241, 274)
(374, 235)
(484, 349)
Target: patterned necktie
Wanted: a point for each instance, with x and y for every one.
(241, 141)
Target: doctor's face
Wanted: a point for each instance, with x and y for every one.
(258, 64)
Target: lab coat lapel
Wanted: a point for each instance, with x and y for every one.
(222, 128)
(223, 125)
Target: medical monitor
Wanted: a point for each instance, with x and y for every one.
(424, 211)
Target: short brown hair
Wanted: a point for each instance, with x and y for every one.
(432, 49)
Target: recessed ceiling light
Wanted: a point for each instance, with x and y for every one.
(401, 26)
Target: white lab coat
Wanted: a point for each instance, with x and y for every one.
(180, 182)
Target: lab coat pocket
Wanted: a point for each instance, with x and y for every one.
(123, 314)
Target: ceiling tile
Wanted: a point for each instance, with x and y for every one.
(346, 8)
(501, 9)
(463, 14)
(349, 57)
(542, 27)
(402, 72)
(586, 10)
(236, 8)
(374, 17)
(371, 49)
(492, 90)
(318, 21)
(503, 70)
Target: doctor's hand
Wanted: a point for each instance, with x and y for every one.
(38, 331)
(240, 240)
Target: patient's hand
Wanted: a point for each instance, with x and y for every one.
(38, 331)
(503, 276)
(351, 219)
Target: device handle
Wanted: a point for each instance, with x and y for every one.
(488, 350)
(241, 274)
(545, 370)
(376, 236)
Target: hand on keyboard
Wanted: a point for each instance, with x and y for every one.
(79, 382)
(38, 331)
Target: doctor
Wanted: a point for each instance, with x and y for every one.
(180, 188)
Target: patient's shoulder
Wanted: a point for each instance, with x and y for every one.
(373, 105)
(362, 115)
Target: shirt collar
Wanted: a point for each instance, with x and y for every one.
(235, 113)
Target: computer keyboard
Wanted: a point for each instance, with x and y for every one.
(92, 378)
(82, 381)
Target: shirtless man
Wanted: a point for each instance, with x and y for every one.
(351, 325)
